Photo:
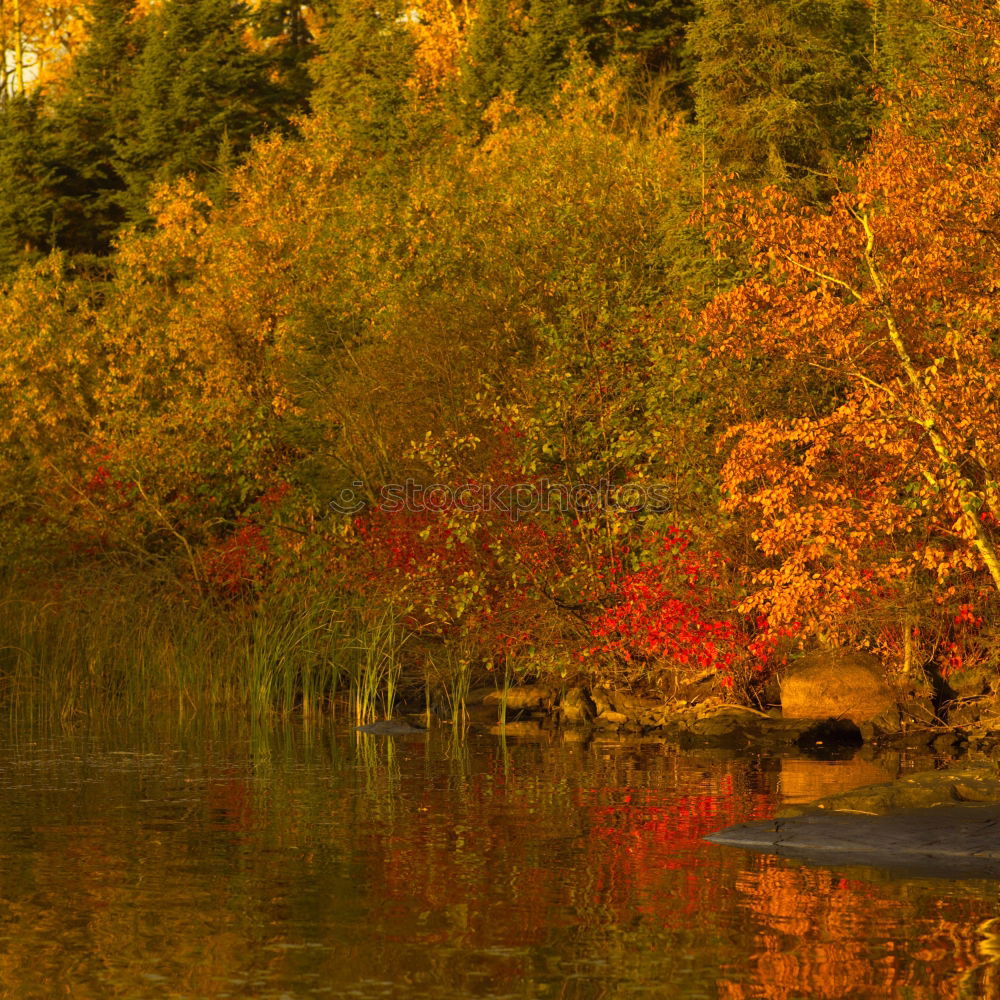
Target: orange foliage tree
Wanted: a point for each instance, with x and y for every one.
(882, 482)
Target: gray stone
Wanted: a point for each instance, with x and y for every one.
(887, 724)
(601, 697)
(521, 697)
(481, 714)
(920, 710)
(737, 727)
(960, 840)
(611, 719)
(972, 711)
(921, 789)
(477, 696)
(972, 682)
(946, 821)
(687, 687)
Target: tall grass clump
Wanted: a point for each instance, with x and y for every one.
(122, 648)
(292, 655)
(373, 662)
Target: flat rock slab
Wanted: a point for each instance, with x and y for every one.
(954, 841)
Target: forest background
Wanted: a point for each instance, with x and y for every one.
(307, 309)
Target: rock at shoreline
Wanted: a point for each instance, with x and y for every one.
(808, 692)
(522, 698)
(610, 719)
(924, 789)
(802, 779)
(838, 683)
(576, 707)
(944, 822)
(956, 841)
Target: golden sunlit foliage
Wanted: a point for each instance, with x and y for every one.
(444, 277)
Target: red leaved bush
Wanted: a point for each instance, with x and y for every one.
(669, 608)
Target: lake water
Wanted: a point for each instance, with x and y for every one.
(299, 862)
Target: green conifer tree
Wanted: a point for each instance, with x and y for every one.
(652, 35)
(283, 28)
(542, 54)
(197, 86)
(782, 86)
(29, 208)
(366, 59)
(645, 37)
(84, 121)
(486, 71)
(906, 37)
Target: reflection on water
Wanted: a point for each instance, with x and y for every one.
(318, 862)
(803, 780)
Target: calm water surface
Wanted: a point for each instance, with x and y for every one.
(315, 862)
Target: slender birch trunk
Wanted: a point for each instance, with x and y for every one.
(929, 417)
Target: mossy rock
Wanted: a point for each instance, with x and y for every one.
(526, 697)
(982, 713)
(960, 841)
(576, 708)
(973, 682)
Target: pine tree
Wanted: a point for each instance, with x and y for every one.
(283, 29)
(530, 58)
(197, 86)
(653, 35)
(361, 75)
(906, 38)
(485, 71)
(542, 55)
(783, 86)
(84, 117)
(29, 208)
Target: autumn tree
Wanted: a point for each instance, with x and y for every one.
(38, 39)
(886, 485)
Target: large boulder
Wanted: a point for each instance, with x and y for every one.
(839, 684)
(956, 841)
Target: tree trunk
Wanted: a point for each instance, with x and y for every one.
(18, 49)
(929, 417)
